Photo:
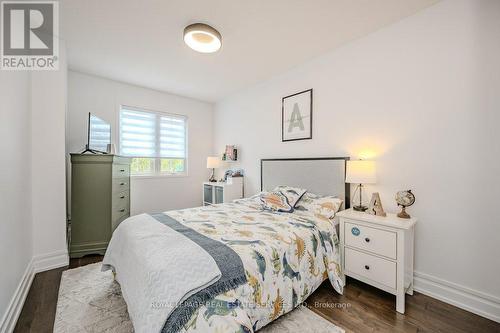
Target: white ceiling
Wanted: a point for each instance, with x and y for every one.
(140, 42)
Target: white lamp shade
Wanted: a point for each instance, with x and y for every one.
(361, 172)
(213, 162)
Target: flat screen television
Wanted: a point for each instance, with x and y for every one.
(99, 135)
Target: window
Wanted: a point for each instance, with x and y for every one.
(156, 141)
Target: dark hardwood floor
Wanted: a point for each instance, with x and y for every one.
(362, 308)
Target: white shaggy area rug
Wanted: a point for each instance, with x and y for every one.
(91, 301)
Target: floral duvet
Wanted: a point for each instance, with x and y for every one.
(286, 256)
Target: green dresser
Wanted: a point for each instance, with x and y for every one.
(100, 200)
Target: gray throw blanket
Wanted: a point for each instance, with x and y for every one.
(229, 263)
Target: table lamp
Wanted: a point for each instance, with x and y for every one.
(360, 172)
(213, 162)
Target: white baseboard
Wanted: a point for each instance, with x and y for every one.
(10, 317)
(45, 262)
(465, 298)
(38, 264)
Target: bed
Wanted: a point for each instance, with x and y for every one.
(285, 256)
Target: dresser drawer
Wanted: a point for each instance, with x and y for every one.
(121, 184)
(374, 268)
(119, 214)
(370, 239)
(121, 170)
(120, 211)
(117, 219)
(121, 199)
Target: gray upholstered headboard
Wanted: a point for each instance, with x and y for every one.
(319, 175)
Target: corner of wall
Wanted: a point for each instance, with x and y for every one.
(48, 261)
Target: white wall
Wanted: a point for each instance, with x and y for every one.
(15, 185)
(32, 181)
(48, 109)
(103, 98)
(421, 97)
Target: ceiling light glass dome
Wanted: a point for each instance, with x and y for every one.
(202, 38)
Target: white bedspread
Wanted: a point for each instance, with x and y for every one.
(156, 264)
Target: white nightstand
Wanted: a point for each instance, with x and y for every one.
(221, 192)
(378, 251)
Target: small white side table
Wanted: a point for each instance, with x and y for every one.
(378, 251)
(222, 192)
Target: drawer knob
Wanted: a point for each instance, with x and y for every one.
(367, 267)
(122, 170)
(122, 183)
(355, 231)
(122, 197)
(367, 240)
(123, 209)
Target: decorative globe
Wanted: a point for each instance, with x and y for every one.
(405, 198)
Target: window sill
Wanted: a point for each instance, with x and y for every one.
(134, 177)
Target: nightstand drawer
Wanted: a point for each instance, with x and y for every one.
(374, 268)
(370, 239)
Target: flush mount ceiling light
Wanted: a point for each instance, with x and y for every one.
(202, 38)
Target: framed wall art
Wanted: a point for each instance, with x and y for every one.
(296, 116)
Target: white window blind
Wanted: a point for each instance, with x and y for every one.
(152, 134)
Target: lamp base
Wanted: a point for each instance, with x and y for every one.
(212, 177)
(360, 208)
